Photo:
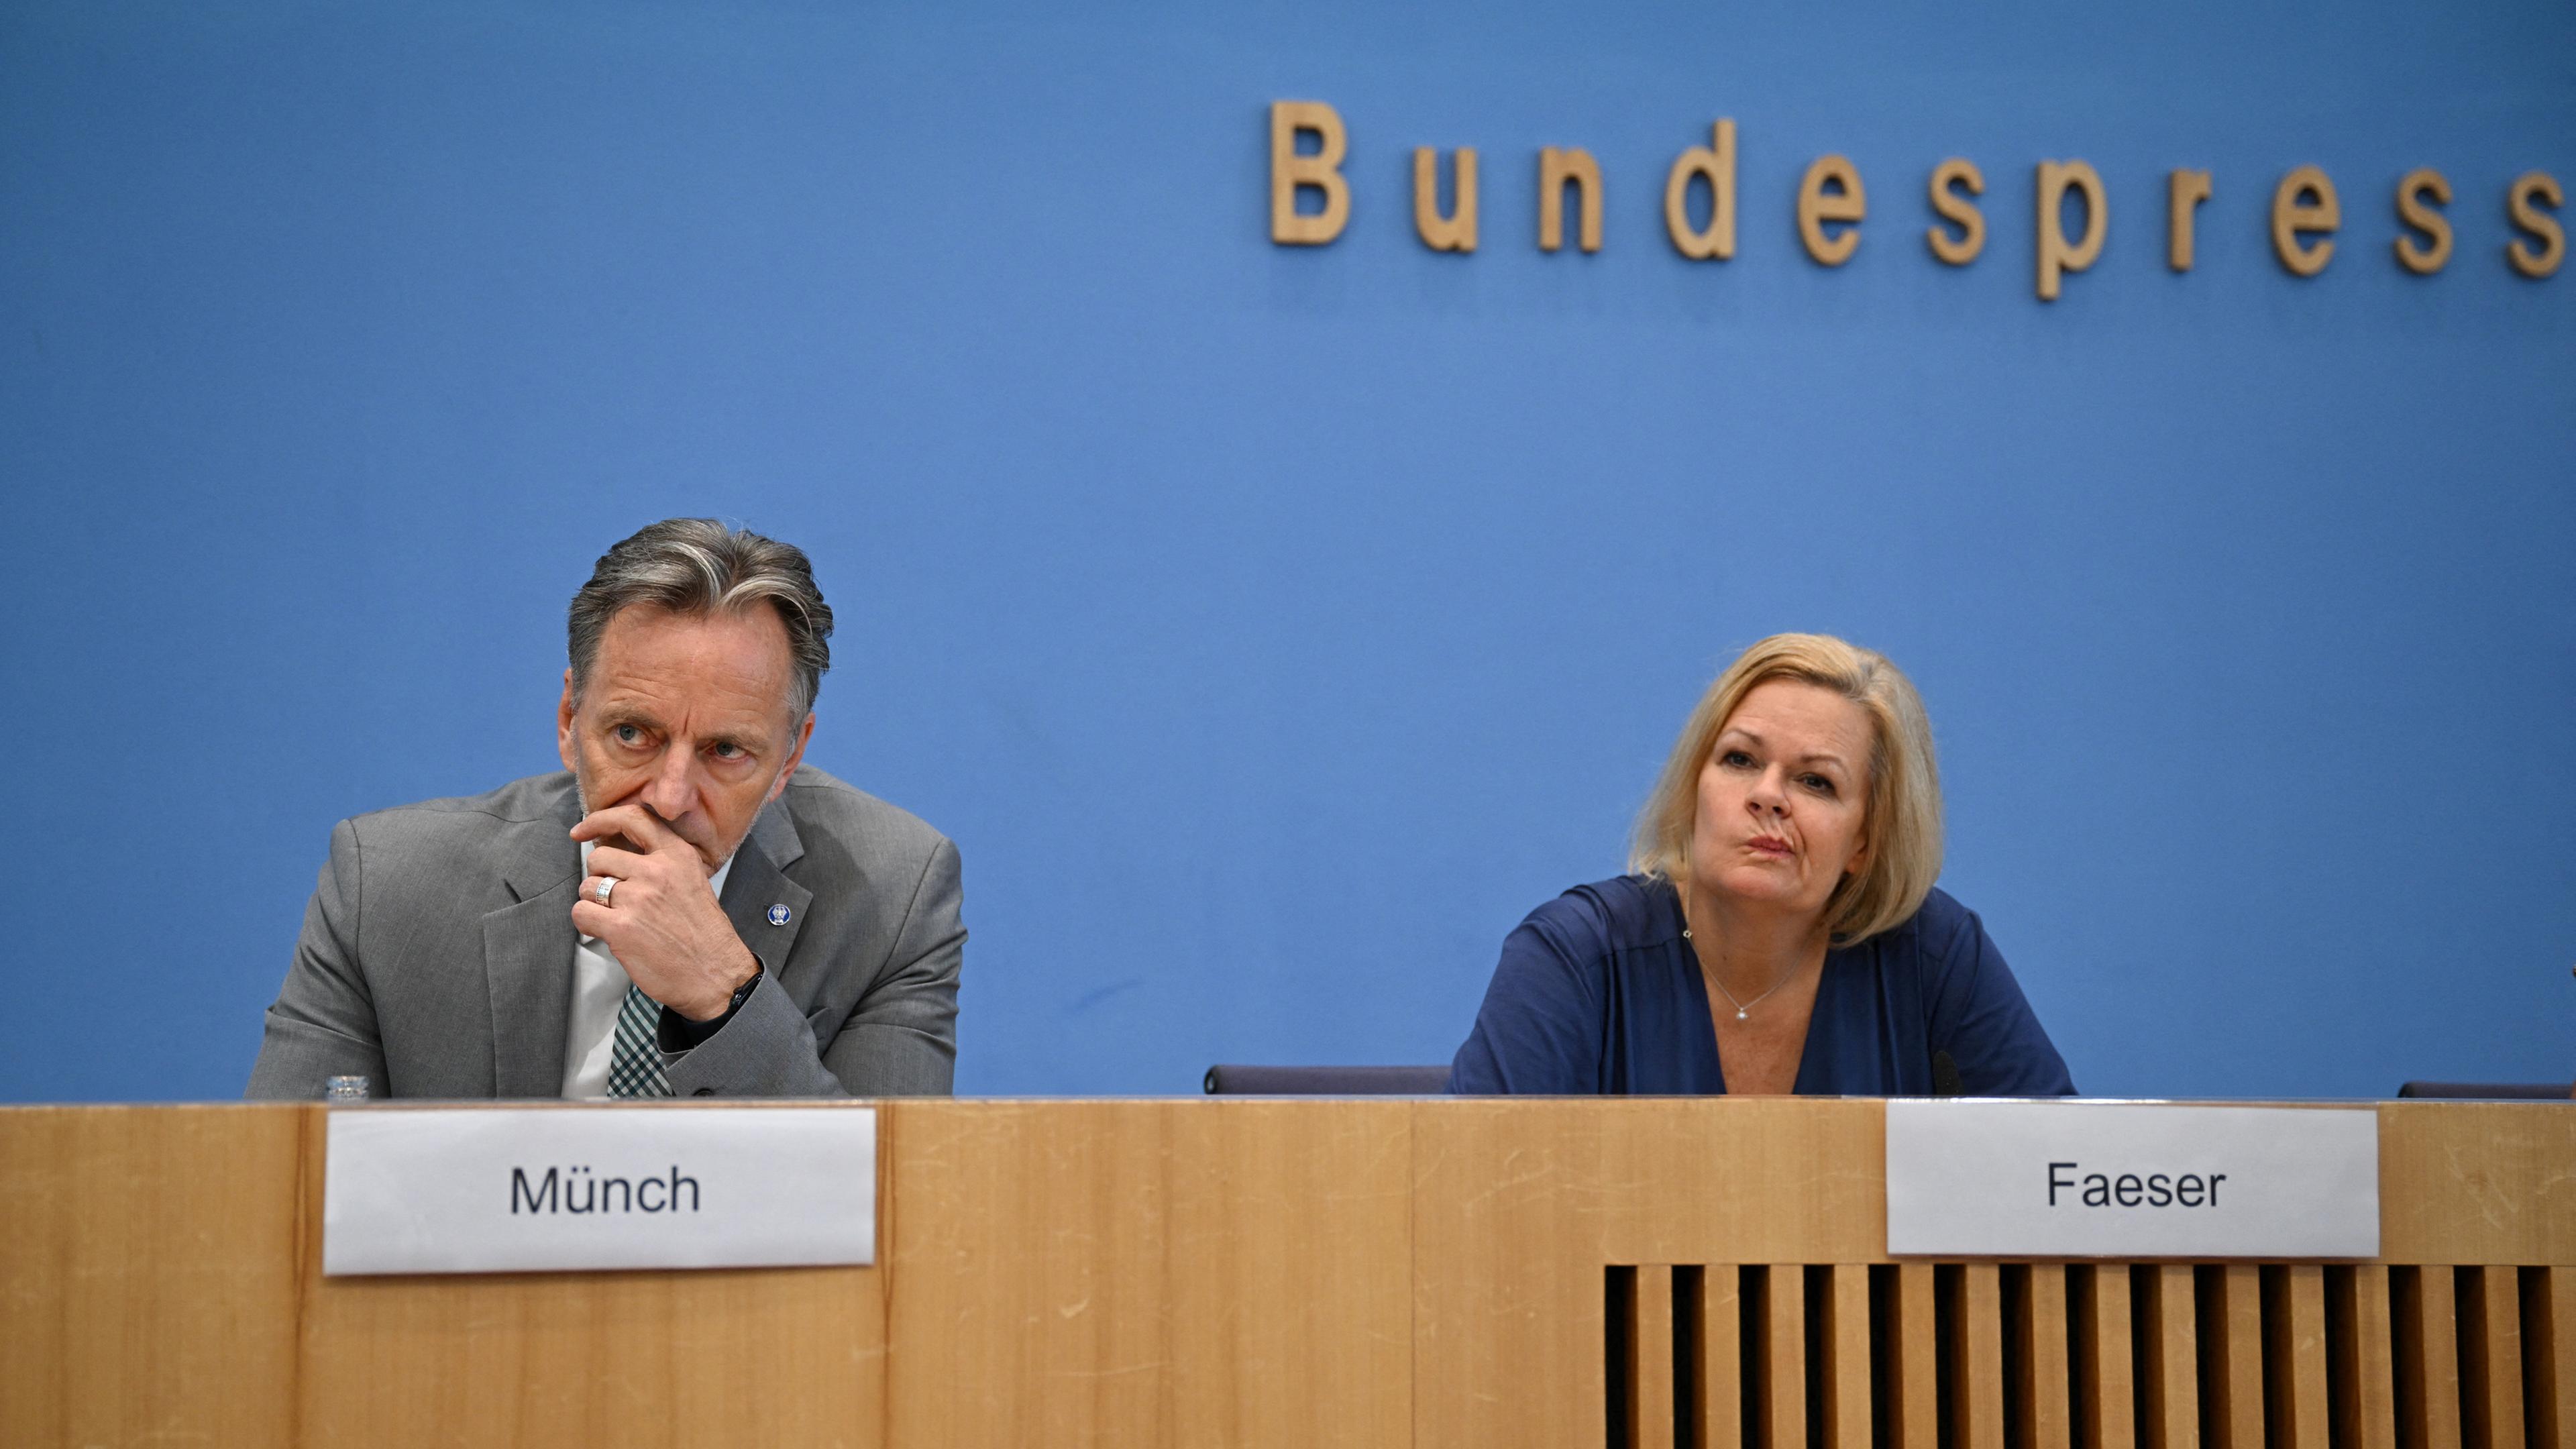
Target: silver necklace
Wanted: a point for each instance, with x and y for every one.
(1741, 1007)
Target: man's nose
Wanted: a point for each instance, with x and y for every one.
(670, 791)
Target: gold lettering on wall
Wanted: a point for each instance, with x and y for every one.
(1455, 232)
(1846, 202)
(1322, 170)
(2540, 261)
(2056, 258)
(1832, 205)
(2428, 256)
(1556, 170)
(2184, 192)
(1960, 173)
(2304, 202)
(1716, 162)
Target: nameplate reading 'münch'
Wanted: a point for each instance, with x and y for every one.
(1983, 1179)
(514, 1190)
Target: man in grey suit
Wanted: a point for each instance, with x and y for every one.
(685, 912)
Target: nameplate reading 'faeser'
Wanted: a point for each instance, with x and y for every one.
(514, 1190)
(2016, 1179)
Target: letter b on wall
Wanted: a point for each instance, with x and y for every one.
(1323, 171)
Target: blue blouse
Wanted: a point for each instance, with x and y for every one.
(1598, 992)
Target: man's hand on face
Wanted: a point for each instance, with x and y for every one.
(661, 922)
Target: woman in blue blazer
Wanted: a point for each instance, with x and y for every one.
(1779, 930)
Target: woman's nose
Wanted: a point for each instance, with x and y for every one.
(1770, 793)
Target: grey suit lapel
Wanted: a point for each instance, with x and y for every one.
(759, 881)
(527, 954)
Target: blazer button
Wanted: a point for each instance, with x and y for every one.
(704, 1092)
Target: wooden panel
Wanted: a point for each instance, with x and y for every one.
(1718, 1395)
(776, 1357)
(2477, 1182)
(2042, 1380)
(1846, 1376)
(2428, 1359)
(1241, 1272)
(2170, 1388)
(1977, 1405)
(2365, 1378)
(148, 1268)
(1914, 1419)
(1519, 1205)
(2549, 1355)
(1783, 1360)
(1191, 1272)
(1650, 1358)
(768, 1357)
(2298, 1357)
(2110, 1409)
(2491, 1358)
(2231, 1356)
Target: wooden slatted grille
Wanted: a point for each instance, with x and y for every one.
(2089, 1356)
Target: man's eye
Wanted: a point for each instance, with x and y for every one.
(728, 750)
(628, 734)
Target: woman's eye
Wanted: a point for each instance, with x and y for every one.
(1735, 759)
(1820, 785)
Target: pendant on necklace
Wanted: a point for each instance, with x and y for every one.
(1739, 1013)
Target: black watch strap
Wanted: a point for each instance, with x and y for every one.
(679, 1034)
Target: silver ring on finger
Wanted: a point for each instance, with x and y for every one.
(607, 883)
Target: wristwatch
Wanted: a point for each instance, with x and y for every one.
(679, 1034)
(742, 993)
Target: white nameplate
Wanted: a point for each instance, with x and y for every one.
(2053, 1179)
(507, 1190)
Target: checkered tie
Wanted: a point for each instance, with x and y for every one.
(635, 1062)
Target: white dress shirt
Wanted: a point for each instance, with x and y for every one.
(598, 993)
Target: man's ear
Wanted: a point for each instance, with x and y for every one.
(795, 757)
(563, 725)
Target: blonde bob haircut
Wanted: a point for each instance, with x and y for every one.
(1901, 819)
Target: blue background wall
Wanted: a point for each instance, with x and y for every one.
(1273, 627)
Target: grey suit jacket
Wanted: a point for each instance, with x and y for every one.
(437, 953)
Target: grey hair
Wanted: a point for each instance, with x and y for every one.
(700, 566)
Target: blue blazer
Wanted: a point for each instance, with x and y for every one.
(1598, 993)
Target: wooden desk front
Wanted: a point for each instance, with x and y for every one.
(1231, 1271)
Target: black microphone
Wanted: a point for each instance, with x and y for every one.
(1945, 1077)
